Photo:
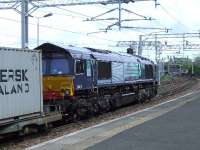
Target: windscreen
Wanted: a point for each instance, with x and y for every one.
(54, 64)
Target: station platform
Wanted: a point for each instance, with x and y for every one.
(171, 125)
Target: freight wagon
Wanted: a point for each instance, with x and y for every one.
(21, 97)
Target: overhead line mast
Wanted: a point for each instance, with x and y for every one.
(35, 4)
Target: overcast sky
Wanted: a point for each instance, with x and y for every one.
(68, 27)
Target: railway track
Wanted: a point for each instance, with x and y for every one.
(168, 89)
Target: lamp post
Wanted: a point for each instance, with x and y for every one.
(38, 26)
(192, 67)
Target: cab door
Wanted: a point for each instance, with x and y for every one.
(84, 74)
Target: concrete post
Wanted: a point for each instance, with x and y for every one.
(24, 23)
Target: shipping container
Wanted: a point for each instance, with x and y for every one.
(20, 84)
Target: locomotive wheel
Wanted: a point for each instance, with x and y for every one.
(96, 109)
(82, 112)
(140, 98)
(82, 109)
(152, 94)
(108, 105)
(155, 91)
(114, 103)
(75, 117)
(104, 104)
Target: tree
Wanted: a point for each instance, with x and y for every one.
(197, 60)
(197, 65)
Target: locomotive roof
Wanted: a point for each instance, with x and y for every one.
(88, 53)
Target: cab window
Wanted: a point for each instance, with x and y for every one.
(88, 68)
(54, 64)
(80, 67)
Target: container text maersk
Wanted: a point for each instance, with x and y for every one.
(13, 81)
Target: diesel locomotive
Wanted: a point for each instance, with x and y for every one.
(82, 81)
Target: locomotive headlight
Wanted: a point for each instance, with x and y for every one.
(67, 92)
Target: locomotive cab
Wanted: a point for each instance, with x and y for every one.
(66, 72)
(57, 68)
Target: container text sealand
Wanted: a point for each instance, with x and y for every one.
(14, 81)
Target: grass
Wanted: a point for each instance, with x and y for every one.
(166, 78)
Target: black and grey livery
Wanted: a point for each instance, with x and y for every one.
(102, 79)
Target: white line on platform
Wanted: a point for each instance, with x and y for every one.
(104, 123)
